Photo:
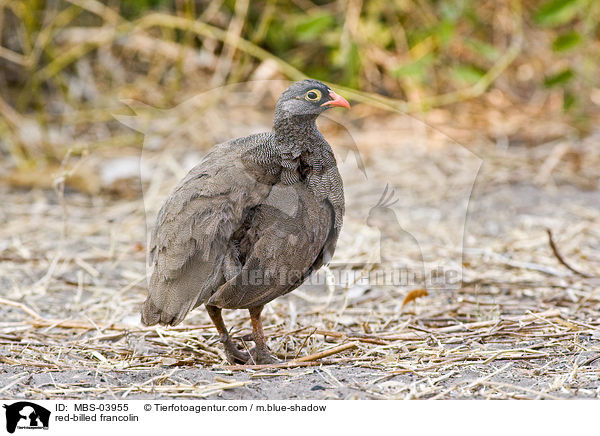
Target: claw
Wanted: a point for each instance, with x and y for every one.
(260, 356)
(235, 355)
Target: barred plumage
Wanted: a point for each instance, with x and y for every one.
(255, 208)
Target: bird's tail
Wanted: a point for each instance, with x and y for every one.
(151, 314)
(166, 303)
(170, 300)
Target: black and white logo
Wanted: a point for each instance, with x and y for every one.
(26, 415)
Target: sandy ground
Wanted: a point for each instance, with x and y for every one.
(518, 325)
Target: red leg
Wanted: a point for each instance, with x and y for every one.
(231, 351)
(260, 353)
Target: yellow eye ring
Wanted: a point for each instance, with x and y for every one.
(313, 95)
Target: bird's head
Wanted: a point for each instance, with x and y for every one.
(307, 99)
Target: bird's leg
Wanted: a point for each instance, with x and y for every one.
(231, 351)
(260, 353)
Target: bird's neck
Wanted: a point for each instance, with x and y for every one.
(297, 127)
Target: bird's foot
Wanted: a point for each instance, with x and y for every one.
(261, 356)
(234, 354)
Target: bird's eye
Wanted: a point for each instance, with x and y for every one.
(313, 95)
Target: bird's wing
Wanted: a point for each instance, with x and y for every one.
(190, 248)
(328, 185)
(287, 244)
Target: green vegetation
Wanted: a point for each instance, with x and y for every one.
(70, 60)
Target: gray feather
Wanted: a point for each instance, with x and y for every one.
(261, 206)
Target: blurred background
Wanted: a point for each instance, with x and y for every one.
(519, 72)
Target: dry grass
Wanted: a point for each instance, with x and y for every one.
(67, 63)
(522, 325)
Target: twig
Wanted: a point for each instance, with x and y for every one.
(369, 339)
(471, 385)
(590, 360)
(489, 376)
(304, 343)
(21, 306)
(77, 324)
(14, 382)
(560, 258)
(521, 388)
(328, 352)
(12, 56)
(303, 361)
(290, 364)
(512, 319)
(517, 264)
